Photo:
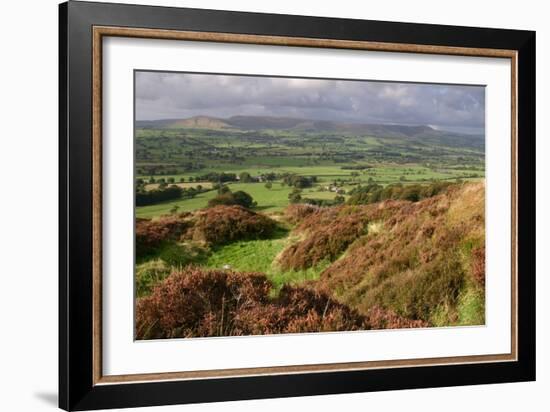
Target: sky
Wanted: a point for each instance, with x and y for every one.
(161, 95)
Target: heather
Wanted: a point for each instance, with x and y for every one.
(227, 270)
(196, 302)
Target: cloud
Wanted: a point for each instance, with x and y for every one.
(178, 95)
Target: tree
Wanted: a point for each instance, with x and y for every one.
(150, 197)
(268, 185)
(243, 199)
(299, 182)
(171, 180)
(222, 189)
(339, 199)
(270, 176)
(174, 209)
(245, 177)
(228, 198)
(182, 179)
(295, 196)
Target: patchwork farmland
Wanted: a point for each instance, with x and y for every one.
(303, 226)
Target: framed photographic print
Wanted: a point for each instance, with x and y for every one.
(257, 205)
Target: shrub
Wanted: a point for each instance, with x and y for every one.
(380, 318)
(195, 302)
(295, 196)
(243, 199)
(414, 266)
(299, 182)
(229, 198)
(176, 254)
(478, 265)
(151, 234)
(223, 224)
(198, 303)
(149, 274)
(158, 195)
(295, 213)
(323, 242)
(420, 292)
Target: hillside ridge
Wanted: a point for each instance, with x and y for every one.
(248, 123)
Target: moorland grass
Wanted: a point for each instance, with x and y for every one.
(398, 261)
(261, 256)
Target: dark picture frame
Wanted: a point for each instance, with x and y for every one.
(81, 27)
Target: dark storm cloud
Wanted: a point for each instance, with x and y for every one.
(180, 95)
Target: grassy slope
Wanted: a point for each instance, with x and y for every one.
(185, 205)
(276, 198)
(269, 200)
(382, 173)
(419, 262)
(261, 256)
(415, 259)
(304, 153)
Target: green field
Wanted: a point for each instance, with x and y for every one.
(276, 198)
(399, 264)
(260, 256)
(339, 160)
(269, 200)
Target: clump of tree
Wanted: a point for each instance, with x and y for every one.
(373, 192)
(295, 196)
(165, 192)
(216, 177)
(245, 177)
(356, 167)
(228, 198)
(338, 200)
(149, 197)
(299, 182)
(269, 177)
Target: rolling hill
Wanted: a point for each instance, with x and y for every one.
(259, 123)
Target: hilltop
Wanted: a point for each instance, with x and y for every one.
(247, 123)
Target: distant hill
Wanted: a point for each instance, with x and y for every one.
(251, 123)
(199, 122)
(266, 122)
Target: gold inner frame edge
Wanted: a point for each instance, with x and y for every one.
(102, 31)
